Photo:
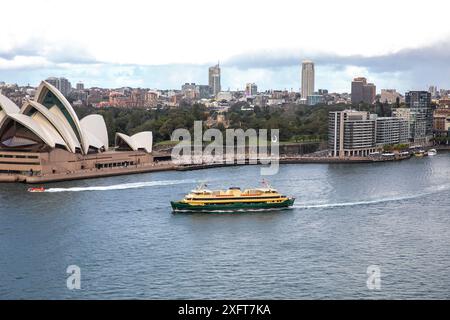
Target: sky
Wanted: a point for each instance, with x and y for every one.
(163, 44)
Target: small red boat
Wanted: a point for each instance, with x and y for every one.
(39, 189)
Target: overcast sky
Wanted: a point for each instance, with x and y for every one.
(162, 44)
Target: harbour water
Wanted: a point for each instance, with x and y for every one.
(121, 233)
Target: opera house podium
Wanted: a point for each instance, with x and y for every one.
(45, 141)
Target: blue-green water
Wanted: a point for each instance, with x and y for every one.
(121, 233)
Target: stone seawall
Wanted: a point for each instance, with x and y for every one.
(85, 174)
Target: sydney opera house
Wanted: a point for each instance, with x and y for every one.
(44, 140)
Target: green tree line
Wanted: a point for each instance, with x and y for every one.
(296, 122)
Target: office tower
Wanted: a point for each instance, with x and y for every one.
(203, 91)
(433, 90)
(421, 115)
(214, 79)
(363, 91)
(251, 89)
(80, 86)
(307, 79)
(62, 84)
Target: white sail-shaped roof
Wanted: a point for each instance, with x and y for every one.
(50, 97)
(51, 120)
(34, 127)
(57, 112)
(94, 128)
(48, 128)
(141, 140)
(126, 139)
(62, 128)
(6, 107)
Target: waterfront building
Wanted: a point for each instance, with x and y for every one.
(421, 119)
(251, 90)
(350, 133)
(307, 79)
(44, 140)
(362, 91)
(214, 79)
(419, 114)
(391, 130)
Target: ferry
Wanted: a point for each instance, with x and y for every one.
(233, 199)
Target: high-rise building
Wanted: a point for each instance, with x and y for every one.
(350, 133)
(251, 89)
(433, 90)
(358, 133)
(189, 90)
(419, 114)
(363, 91)
(419, 102)
(62, 84)
(204, 91)
(307, 79)
(214, 79)
(80, 86)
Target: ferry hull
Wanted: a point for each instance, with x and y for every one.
(236, 206)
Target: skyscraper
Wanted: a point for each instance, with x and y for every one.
(307, 78)
(419, 103)
(363, 91)
(214, 79)
(251, 89)
(62, 84)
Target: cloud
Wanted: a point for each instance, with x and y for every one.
(411, 67)
(435, 55)
(407, 69)
(19, 54)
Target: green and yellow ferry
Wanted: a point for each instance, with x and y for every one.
(233, 199)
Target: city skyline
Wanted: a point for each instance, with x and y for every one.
(410, 57)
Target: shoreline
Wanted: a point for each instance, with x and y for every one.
(168, 166)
